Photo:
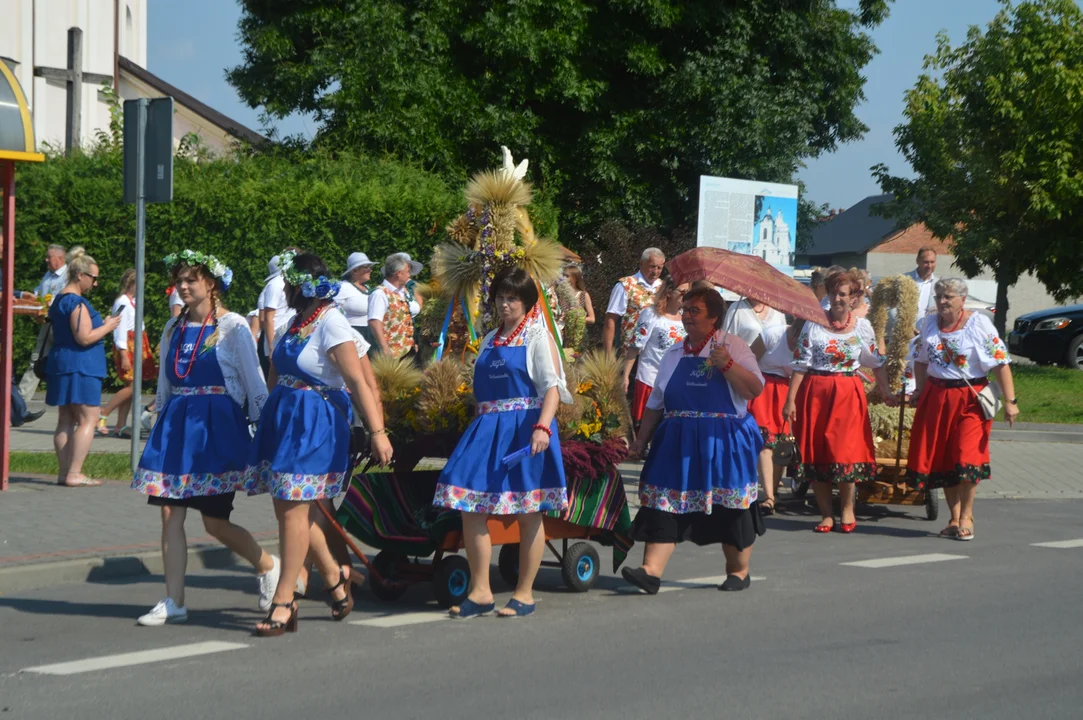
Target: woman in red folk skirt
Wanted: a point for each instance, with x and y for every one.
(774, 357)
(949, 441)
(826, 402)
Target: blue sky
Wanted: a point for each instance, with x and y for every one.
(191, 43)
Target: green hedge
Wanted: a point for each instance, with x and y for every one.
(243, 209)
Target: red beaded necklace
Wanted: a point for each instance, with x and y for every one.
(689, 350)
(296, 327)
(195, 349)
(502, 342)
(956, 326)
(844, 325)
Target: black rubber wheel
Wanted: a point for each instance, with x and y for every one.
(451, 581)
(932, 504)
(389, 587)
(579, 567)
(800, 490)
(507, 564)
(1074, 357)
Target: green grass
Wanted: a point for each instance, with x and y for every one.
(1048, 394)
(103, 466)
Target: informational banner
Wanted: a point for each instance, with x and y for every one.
(749, 217)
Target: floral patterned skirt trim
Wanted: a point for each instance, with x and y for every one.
(508, 405)
(501, 503)
(770, 439)
(836, 472)
(290, 486)
(198, 390)
(951, 478)
(179, 487)
(296, 383)
(690, 501)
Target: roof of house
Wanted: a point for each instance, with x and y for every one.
(856, 230)
(205, 111)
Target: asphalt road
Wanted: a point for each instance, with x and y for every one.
(993, 632)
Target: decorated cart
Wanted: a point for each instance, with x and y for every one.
(428, 409)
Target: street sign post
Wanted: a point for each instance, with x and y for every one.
(148, 177)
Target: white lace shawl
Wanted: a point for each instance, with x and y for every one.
(236, 357)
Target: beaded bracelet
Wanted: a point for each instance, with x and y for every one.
(727, 366)
(544, 429)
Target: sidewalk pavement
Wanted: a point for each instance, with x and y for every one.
(51, 535)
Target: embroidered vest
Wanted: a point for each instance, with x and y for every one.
(398, 324)
(638, 298)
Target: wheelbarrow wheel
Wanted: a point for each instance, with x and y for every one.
(579, 567)
(507, 563)
(451, 581)
(932, 504)
(388, 587)
(799, 489)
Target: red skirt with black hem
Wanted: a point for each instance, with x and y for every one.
(766, 409)
(833, 430)
(639, 400)
(949, 441)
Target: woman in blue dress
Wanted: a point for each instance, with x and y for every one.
(197, 453)
(519, 383)
(75, 368)
(301, 451)
(699, 481)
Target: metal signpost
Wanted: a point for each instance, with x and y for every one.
(148, 177)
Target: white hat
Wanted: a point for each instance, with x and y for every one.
(272, 269)
(356, 260)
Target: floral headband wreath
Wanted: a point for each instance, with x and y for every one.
(322, 288)
(222, 274)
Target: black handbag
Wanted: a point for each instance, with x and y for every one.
(43, 358)
(785, 452)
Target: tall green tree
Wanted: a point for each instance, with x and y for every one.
(620, 105)
(994, 131)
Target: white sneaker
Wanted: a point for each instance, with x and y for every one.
(268, 582)
(164, 612)
(145, 420)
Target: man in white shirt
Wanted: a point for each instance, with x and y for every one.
(274, 311)
(54, 280)
(925, 278)
(628, 298)
(390, 316)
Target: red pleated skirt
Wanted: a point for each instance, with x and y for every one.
(639, 400)
(949, 442)
(766, 408)
(833, 430)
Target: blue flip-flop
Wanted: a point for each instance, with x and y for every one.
(470, 609)
(521, 609)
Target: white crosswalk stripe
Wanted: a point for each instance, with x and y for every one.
(107, 662)
(904, 560)
(1060, 544)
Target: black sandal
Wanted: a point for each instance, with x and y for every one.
(767, 510)
(277, 627)
(341, 608)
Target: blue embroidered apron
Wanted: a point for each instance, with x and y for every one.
(475, 478)
(302, 447)
(702, 453)
(200, 443)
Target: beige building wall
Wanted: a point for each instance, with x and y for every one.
(215, 139)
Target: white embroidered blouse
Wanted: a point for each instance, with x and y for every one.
(971, 351)
(824, 351)
(653, 336)
(236, 353)
(739, 351)
(328, 332)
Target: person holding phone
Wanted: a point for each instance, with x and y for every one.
(519, 383)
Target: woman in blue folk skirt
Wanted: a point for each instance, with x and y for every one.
(301, 451)
(197, 453)
(699, 481)
(519, 383)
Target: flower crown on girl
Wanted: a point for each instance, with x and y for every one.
(222, 274)
(322, 288)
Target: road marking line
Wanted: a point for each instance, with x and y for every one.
(107, 662)
(402, 619)
(1060, 544)
(904, 560)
